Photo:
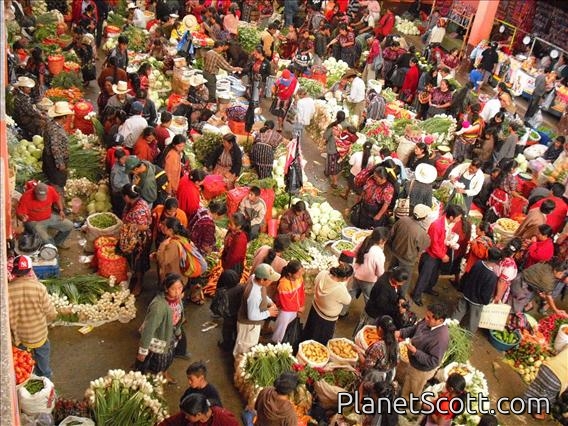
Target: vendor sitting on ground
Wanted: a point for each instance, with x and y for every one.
(296, 222)
(35, 210)
(254, 209)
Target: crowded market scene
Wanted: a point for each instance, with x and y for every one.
(284, 212)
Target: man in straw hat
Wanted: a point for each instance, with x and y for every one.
(26, 115)
(56, 146)
(356, 96)
(121, 98)
(408, 239)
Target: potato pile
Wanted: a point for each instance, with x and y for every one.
(342, 348)
(508, 225)
(315, 352)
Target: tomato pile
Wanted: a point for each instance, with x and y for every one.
(549, 326)
(23, 364)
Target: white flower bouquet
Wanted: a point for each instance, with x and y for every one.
(132, 398)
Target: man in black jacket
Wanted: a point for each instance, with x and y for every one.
(478, 289)
(489, 58)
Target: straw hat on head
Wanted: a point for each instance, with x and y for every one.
(189, 21)
(421, 211)
(443, 148)
(425, 173)
(60, 109)
(197, 80)
(174, 15)
(350, 73)
(87, 39)
(25, 82)
(121, 88)
(131, 6)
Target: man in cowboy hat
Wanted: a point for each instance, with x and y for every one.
(56, 146)
(26, 115)
(121, 98)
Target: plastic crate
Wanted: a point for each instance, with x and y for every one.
(47, 269)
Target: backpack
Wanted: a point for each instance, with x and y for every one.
(220, 303)
(191, 261)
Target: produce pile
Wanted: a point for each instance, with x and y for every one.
(550, 325)
(25, 158)
(23, 364)
(327, 221)
(404, 26)
(248, 36)
(335, 70)
(90, 299)
(460, 347)
(527, 358)
(313, 87)
(86, 156)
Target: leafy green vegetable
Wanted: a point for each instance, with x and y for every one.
(67, 80)
(206, 145)
(249, 37)
(103, 220)
(79, 289)
(34, 386)
(460, 347)
(314, 88)
(435, 124)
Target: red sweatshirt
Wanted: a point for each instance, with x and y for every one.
(188, 196)
(437, 234)
(540, 251)
(235, 249)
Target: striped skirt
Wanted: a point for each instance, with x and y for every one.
(332, 166)
(545, 385)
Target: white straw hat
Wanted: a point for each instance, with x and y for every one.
(425, 173)
(25, 82)
(59, 109)
(120, 88)
(197, 80)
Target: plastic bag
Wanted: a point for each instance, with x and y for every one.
(536, 120)
(40, 402)
(73, 420)
(42, 419)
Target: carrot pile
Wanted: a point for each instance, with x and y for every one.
(71, 95)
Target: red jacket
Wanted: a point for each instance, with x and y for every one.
(220, 417)
(235, 249)
(556, 218)
(110, 158)
(410, 83)
(437, 234)
(540, 251)
(385, 25)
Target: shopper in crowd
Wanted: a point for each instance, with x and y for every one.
(196, 409)
(273, 405)
(296, 222)
(235, 244)
(290, 298)
(197, 382)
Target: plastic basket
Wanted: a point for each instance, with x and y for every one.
(502, 346)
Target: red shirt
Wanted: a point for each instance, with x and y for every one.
(235, 249)
(110, 158)
(411, 80)
(437, 234)
(162, 133)
(556, 217)
(540, 251)
(35, 209)
(385, 25)
(144, 151)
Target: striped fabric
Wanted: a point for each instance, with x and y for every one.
(30, 311)
(546, 385)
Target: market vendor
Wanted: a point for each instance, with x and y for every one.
(26, 115)
(35, 210)
(197, 97)
(541, 279)
(254, 209)
(535, 218)
(471, 177)
(213, 61)
(296, 222)
(227, 160)
(120, 52)
(429, 341)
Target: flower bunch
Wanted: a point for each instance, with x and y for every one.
(404, 26)
(263, 364)
(10, 121)
(127, 398)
